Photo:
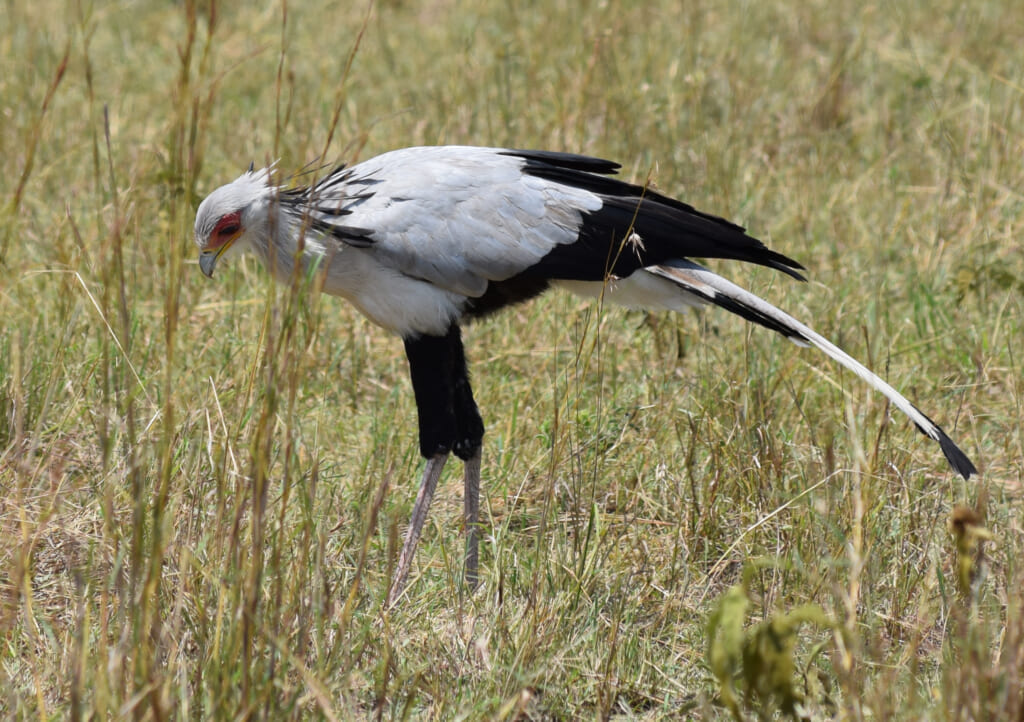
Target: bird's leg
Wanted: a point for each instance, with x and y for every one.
(449, 422)
(431, 474)
(471, 516)
(469, 439)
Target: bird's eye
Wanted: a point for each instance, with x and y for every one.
(227, 226)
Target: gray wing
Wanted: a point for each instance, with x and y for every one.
(455, 216)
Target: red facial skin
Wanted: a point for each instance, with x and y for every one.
(225, 231)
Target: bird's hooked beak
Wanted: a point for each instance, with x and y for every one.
(207, 261)
(208, 258)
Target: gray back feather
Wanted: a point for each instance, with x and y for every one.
(454, 216)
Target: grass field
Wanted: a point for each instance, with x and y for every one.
(203, 484)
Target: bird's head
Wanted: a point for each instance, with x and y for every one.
(233, 217)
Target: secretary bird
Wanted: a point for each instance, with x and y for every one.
(422, 239)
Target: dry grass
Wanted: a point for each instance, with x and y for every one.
(203, 483)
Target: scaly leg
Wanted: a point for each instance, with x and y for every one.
(471, 492)
(431, 474)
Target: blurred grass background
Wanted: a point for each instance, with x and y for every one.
(203, 483)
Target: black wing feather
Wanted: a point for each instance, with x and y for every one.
(667, 228)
